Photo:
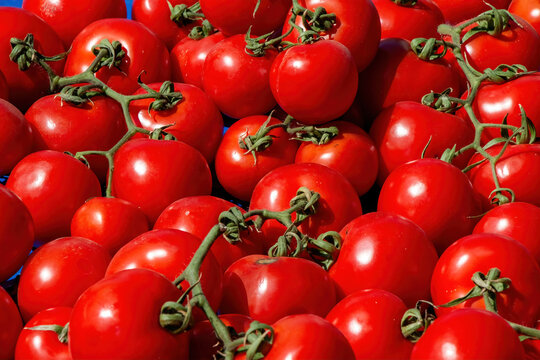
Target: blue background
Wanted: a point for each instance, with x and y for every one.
(19, 2)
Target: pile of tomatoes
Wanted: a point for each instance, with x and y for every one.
(152, 170)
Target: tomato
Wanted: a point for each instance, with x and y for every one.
(26, 87)
(455, 11)
(409, 21)
(68, 18)
(529, 10)
(58, 272)
(368, 315)
(16, 138)
(357, 27)
(119, 318)
(61, 126)
(532, 346)
(267, 289)
(40, 344)
(481, 252)
(352, 153)
(236, 168)
(53, 186)
(4, 89)
(519, 220)
(436, 196)
(110, 222)
(156, 15)
(152, 174)
(297, 75)
(197, 215)
(236, 81)
(195, 120)
(144, 52)
(237, 16)
(402, 131)
(188, 57)
(10, 325)
(458, 335)
(338, 204)
(388, 252)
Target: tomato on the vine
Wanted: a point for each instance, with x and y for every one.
(16, 137)
(529, 10)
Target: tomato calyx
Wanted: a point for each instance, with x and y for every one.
(61, 331)
(406, 3)
(318, 21)
(183, 15)
(429, 49)
(415, 321)
(200, 32)
(166, 98)
(24, 54)
(256, 340)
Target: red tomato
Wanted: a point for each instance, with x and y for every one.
(529, 10)
(297, 75)
(352, 153)
(458, 336)
(44, 344)
(53, 186)
(195, 120)
(532, 346)
(188, 57)
(16, 233)
(58, 272)
(402, 131)
(61, 126)
(436, 196)
(481, 252)
(397, 74)
(236, 16)
(119, 318)
(372, 314)
(455, 11)
(4, 89)
(357, 27)
(519, 220)
(152, 174)
(144, 52)
(110, 222)
(26, 87)
(409, 21)
(16, 138)
(156, 15)
(267, 289)
(379, 251)
(237, 170)
(10, 325)
(197, 215)
(68, 17)
(236, 81)
(338, 204)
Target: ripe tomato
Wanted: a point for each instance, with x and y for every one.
(123, 309)
(267, 289)
(529, 10)
(110, 222)
(68, 18)
(44, 344)
(144, 52)
(16, 138)
(436, 196)
(455, 11)
(58, 272)
(372, 314)
(236, 81)
(481, 252)
(10, 325)
(297, 75)
(532, 346)
(4, 90)
(458, 335)
(53, 186)
(152, 174)
(26, 87)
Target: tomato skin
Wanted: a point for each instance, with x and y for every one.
(197, 215)
(4, 89)
(370, 260)
(420, 191)
(237, 171)
(144, 52)
(236, 81)
(10, 325)
(298, 91)
(267, 289)
(372, 314)
(481, 252)
(67, 18)
(458, 335)
(16, 138)
(44, 345)
(110, 222)
(26, 87)
(140, 168)
(532, 346)
(106, 315)
(50, 182)
(58, 272)
(455, 11)
(529, 10)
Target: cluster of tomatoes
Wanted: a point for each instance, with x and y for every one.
(116, 169)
